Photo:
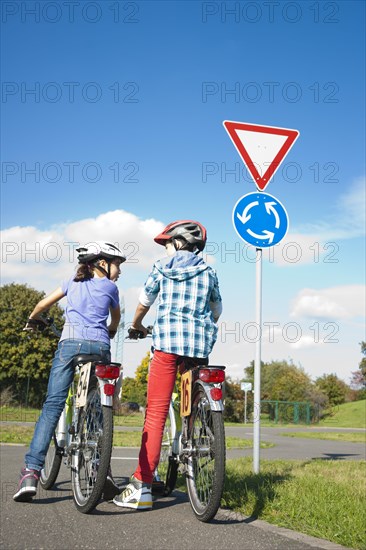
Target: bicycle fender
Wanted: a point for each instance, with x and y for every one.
(215, 405)
(106, 400)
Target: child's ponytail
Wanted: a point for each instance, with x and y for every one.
(84, 273)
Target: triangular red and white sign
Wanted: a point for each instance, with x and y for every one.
(262, 148)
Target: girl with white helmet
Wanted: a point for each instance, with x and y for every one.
(91, 296)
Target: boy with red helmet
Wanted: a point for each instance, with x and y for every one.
(189, 305)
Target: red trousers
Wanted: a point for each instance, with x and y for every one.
(162, 375)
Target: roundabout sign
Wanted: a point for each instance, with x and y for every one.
(260, 219)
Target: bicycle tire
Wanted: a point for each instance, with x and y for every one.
(205, 474)
(166, 472)
(91, 460)
(52, 465)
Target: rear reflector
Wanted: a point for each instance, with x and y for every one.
(109, 389)
(216, 394)
(107, 371)
(214, 376)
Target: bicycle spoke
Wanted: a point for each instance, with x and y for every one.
(92, 457)
(206, 463)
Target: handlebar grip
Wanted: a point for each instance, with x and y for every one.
(135, 334)
(35, 324)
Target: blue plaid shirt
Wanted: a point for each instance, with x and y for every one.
(188, 292)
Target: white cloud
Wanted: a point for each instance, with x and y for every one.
(341, 302)
(306, 341)
(42, 258)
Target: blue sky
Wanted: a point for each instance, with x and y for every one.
(145, 90)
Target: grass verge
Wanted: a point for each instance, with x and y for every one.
(19, 414)
(16, 434)
(347, 415)
(239, 443)
(133, 419)
(22, 414)
(354, 437)
(24, 434)
(325, 499)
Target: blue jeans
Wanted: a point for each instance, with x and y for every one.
(61, 376)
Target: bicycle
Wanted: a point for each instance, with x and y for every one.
(84, 433)
(194, 438)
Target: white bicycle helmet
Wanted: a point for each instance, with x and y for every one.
(99, 250)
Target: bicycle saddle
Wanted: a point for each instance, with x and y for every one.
(86, 358)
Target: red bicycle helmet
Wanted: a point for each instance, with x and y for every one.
(192, 232)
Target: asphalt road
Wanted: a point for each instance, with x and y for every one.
(52, 521)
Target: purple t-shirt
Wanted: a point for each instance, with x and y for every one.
(87, 308)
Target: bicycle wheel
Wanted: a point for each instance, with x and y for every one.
(92, 457)
(166, 473)
(52, 464)
(206, 464)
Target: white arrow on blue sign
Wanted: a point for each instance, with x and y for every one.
(260, 219)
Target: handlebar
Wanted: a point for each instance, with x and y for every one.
(40, 324)
(134, 334)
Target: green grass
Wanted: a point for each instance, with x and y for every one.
(240, 443)
(133, 419)
(22, 414)
(23, 434)
(348, 415)
(127, 439)
(354, 437)
(325, 499)
(16, 434)
(19, 414)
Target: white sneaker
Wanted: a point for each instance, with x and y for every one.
(136, 495)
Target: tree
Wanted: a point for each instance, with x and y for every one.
(131, 391)
(362, 366)
(26, 358)
(335, 389)
(283, 381)
(234, 402)
(142, 370)
(135, 389)
(358, 378)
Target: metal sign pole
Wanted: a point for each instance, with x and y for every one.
(245, 407)
(257, 364)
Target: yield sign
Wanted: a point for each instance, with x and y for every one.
(262, 148)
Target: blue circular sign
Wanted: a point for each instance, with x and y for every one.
(260, 219)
